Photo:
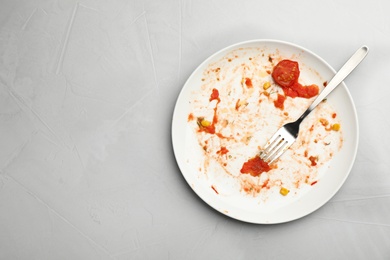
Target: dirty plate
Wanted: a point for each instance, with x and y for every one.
(244, 117)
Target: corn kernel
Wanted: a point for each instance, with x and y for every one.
(284, 191)
(266, 85)
(336, 127)
(205, 123)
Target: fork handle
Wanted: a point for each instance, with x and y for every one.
(347, 68)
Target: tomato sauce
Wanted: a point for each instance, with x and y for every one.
(212, 186)
(255, 166)
(190, 117)
(286, 75)
(223, 150)
(238, 104)
(210, 128)
(248, 82)
(313, 160)
(279, 103)
(215, 95)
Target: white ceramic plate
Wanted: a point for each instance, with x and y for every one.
(232, 201)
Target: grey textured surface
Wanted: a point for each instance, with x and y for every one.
(87, 92)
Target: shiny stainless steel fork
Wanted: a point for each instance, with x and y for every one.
(287, 134)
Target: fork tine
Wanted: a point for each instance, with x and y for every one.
(278, 145)
(277, 153)
(271, 143)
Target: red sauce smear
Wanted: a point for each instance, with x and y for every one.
(223, 150)
(265, 184)
(248, 82)
(238, 104)
(212, 186)
(208, 129)
(255, 166)
(190, 117)
(313, 160)
(286, 75)
(211, 128)
(279, 103)
(215, 95)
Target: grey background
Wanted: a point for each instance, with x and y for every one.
(87, 92)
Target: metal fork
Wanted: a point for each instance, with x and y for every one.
(288, 133)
